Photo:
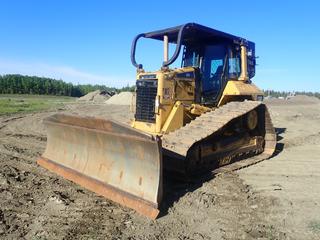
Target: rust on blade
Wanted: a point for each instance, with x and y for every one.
(143, 207)
(109, 158)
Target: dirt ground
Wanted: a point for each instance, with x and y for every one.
(276, 199)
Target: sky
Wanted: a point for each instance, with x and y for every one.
(90, 41)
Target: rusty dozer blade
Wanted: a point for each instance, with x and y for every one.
(109, 158)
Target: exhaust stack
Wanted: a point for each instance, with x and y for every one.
(244, 65)
(165, 48)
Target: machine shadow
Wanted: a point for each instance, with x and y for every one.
(175, 188)
(279, 146)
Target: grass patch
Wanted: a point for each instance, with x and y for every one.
(315, 226)
(10, 104)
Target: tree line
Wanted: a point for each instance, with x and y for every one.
(284, 94)
(20, 84)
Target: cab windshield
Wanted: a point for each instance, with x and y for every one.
(216, 63)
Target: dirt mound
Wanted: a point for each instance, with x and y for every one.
(274, 101)
(123, 98)
(303, 99)
(96, 96)
(293, 100)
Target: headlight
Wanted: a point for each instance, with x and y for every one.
(157, 102)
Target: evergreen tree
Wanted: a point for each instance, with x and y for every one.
(19, 84)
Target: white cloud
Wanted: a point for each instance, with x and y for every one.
(66, 73)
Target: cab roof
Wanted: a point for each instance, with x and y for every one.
(194, 32)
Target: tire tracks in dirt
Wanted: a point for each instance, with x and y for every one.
(43, 205)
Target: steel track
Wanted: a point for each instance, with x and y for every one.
(181, 140)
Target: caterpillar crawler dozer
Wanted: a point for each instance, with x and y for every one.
(206, 116)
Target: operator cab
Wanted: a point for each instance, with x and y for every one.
(216, 63)
(215, 56)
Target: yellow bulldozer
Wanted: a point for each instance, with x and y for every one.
(205, 116)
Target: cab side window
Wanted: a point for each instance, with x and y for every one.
(212, 70)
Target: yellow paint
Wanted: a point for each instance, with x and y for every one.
(236, 89)
(197, 109)
(144, 126)
(244, 68)
(175, 100)
(171, 89)
(175, 119)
